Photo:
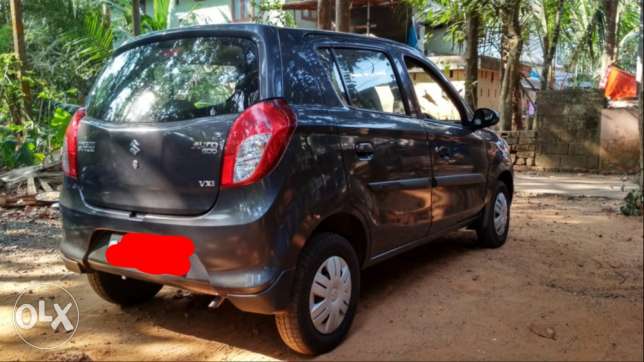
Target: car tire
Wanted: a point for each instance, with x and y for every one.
(493, 232)
(114, 289)
(327, 256)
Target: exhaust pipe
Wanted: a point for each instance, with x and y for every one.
(216, 302)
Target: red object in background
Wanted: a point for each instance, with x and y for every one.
(620, 84)
(152, 254)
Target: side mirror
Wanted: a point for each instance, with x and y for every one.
(484, 117)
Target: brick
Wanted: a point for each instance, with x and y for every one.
(520, 161)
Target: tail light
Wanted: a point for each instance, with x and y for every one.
(70, 145)
(256, 142)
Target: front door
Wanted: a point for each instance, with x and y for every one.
(458, 154)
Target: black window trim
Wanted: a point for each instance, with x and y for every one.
(336, 67)
(408, 113)
(439, 78)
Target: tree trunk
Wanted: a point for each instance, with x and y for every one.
(136, 17)
(472, 58)
(19, 48)
(609, 54)
(517, 96)
(343, 15)
(550, 42)
(513, 43)
(324, 14)
(170, 21)
(640, 69)
(106, 14)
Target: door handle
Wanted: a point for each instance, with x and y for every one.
(443, 152)
(364, 150)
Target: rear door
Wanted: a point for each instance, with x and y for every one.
(458, 154)
(157, 120)
(385, 149)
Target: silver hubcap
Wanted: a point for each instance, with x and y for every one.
(500, 214)
(330, 294)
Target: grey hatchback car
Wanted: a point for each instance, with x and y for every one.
(268, 166)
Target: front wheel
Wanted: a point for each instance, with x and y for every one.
(493, 232)
(326, 289)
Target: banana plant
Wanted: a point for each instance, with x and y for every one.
(159, 18)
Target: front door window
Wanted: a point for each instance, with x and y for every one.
(433, 99)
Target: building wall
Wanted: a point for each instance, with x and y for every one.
(191, 12)
(202, 12)
(489, 89)
(489, 86)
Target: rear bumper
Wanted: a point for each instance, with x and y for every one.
(246, 259)
(273, 299)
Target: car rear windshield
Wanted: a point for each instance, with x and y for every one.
(178, 79)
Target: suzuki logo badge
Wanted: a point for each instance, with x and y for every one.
(135, 147)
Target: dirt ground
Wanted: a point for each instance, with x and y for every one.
(566, 286)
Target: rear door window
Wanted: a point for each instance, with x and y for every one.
(370, 80)
(177, 80)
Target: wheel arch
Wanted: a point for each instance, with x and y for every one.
(349, 226)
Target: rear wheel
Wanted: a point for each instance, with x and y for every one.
(493, 232)
(115, 289)
(326, 289)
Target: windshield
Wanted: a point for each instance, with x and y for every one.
(177, 80)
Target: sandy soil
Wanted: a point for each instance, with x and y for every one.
(567, 286)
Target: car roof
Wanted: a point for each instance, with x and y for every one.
(257, 29)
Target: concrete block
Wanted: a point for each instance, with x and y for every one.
(531, 162)
(577, 149)
(526, 154)
(526, 147)
(547, 161)
(579, 162)
(555, 148)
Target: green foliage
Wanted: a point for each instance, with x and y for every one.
(18, 151)
(633, 204)
(270, 12)
(27, 135)
(90, 45)
(159, 18)
(11, 93)
(452, 14)
(57, 127)
(5, 38)
(29, 142)
(582, 28)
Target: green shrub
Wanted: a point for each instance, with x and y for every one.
(5, 38)
(633, 203)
